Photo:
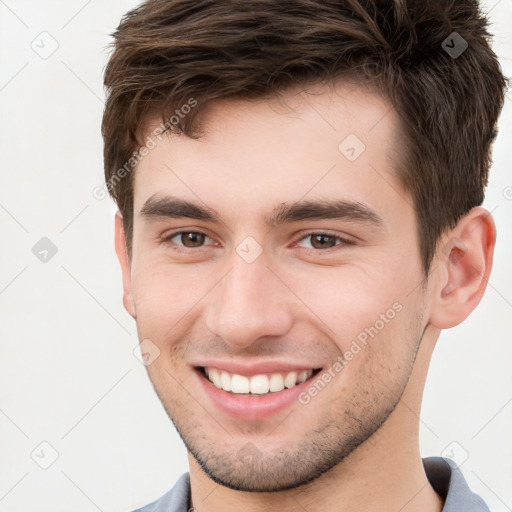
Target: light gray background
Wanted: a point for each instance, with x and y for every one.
(68, 374)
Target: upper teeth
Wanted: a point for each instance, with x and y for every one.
(259, 384)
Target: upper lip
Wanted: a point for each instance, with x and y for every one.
(256, 368)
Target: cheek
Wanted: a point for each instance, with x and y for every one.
(164, 294)
(377, 358)
(366, 312)
(347, 300)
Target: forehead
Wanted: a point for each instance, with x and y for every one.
(254, 154)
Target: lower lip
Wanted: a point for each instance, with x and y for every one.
(255, 407)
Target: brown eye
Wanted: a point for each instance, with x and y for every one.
(189, 239)
(322, 241)
(192, 239)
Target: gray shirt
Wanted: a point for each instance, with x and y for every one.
(443, 474)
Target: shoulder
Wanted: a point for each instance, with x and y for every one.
(448, 481)
(175, 500)
(442, 473)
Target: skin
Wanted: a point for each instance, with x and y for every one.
(354, 446)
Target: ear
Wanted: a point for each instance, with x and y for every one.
(124, 261)
(462, 268)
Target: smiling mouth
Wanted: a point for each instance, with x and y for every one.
(256, 385)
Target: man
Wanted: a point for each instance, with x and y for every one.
(299, 187)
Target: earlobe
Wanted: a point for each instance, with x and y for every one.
(124, 261)
(462, 268)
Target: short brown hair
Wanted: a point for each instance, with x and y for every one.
(167, 52)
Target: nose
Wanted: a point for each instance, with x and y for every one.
(249, 303)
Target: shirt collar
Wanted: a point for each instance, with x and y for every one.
(447, 480)
(443, 474)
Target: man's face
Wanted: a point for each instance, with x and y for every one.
(278, 238)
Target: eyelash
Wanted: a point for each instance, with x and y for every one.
(167, 239)
(342, 241)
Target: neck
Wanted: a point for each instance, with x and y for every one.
(383, 474)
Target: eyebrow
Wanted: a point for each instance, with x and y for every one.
(172, 207)
(324, 209)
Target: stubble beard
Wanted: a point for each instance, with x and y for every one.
(336, 435)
